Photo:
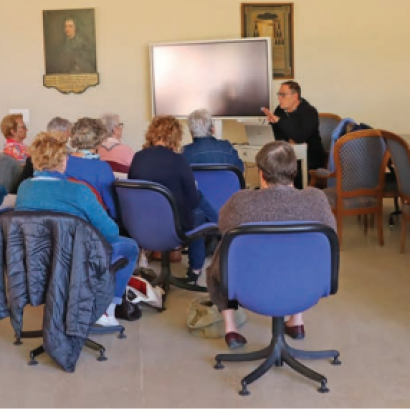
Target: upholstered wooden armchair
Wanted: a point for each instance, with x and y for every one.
(360, 162)
(400, 155)
(327, 123)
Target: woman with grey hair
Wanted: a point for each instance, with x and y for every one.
(277, 200)
(205, 148)
(85, 165)
(57, 125)
(112, 149)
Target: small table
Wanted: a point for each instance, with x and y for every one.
(247, 153)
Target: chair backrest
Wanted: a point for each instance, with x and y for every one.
(279, 269)
(149, 213)
(117, 167)
(218, 182)
(360, 159)
(400, 154)
(10, 172)
(327, 123)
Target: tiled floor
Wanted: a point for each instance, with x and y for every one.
(160, 364)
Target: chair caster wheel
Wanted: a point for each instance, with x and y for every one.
(102, 358)
(32, 362)
(244, 391)
(323, 388)
(219, 366)
(17, 342)
(122, 336)
(336, 361)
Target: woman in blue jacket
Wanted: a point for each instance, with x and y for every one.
(50, 190)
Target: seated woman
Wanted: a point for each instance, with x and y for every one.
(50, 190)
(277, 200)
(112, 149)
(15, 132)
(85, 165)
(159, 161)
(56, 125)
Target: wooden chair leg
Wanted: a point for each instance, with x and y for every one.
(379, 217)
(371, 221)
(365, 224)
(339, 223)
(403, 234)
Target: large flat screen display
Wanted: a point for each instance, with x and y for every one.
(230, 78)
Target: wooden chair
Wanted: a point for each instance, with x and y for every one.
(327, 123)
(400, 155)
(360, 160)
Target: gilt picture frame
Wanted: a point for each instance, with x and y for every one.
(70, 59)
(274, 20)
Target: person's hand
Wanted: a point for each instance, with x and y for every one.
(270, 116)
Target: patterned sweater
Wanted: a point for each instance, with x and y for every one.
(276, 203)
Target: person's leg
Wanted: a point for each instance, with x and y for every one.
(295, 320)
(211, 215)
(128, 248)
(230, 325)
(294, 327)
(232, 337)
(196, 250)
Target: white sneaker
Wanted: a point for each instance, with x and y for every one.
(106, 321)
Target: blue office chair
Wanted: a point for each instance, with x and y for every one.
(150, 215)
(218, 182)
(279, 269)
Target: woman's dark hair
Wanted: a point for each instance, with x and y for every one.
(277, 162)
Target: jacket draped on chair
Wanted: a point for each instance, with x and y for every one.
(61, 261)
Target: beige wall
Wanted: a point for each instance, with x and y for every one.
(351, 57)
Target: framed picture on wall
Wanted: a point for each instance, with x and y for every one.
(274, 20)
(70, 49)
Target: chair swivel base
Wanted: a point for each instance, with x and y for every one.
(165, 279)
(277, 353)
(88, 342)
(103, 330)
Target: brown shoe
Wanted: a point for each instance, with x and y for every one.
(295, 332)
(234, 340)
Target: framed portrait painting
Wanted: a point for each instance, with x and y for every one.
(70, 49)
(274, 20)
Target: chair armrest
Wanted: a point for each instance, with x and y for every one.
(320, 173)
(118, 264)
(208, 228)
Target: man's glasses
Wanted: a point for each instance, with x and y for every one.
(23, 127)
(283, 95)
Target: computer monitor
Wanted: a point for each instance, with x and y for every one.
(230, 78)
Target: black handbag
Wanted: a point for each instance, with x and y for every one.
(127, 310)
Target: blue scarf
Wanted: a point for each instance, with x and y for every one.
(88, 154)
(49, 174)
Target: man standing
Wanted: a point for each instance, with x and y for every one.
(296, 121)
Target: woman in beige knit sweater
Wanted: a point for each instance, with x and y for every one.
(277, 200)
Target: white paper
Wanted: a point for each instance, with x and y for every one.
(24, 111)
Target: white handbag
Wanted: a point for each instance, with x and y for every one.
(139, 290)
